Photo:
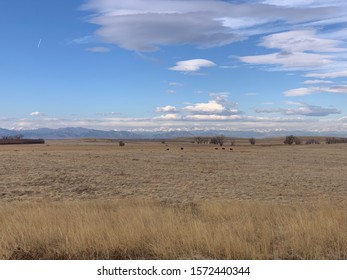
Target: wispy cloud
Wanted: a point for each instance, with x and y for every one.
(301, 41)
(83, 40)
(107, 113)
(303, 109)
(170, 91)
(99, 49)
(312, 82)
(300, 91)
(189, 121)
(339, 89)
(299, 50)
(306, 3)
(290, 61)
(174, 84)
(328, 75)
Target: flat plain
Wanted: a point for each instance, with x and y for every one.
(263, 201)
(61, 170)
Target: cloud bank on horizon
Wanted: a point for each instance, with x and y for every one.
(209, 51)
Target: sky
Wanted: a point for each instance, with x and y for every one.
(259, 65)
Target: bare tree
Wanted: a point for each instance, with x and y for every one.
(291, 139)
(312, 141)
(335, 140)
(198, 140)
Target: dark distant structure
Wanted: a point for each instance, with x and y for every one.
(8, 140)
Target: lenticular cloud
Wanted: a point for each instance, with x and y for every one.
(147, 25)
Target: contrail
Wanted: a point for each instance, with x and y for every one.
(38, 45)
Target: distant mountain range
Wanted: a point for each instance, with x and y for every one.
(80, 132)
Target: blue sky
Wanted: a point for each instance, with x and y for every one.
(170, 64)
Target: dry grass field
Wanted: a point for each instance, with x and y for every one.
(91, 199)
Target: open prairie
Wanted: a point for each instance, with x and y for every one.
(62, 170)
(94, 199)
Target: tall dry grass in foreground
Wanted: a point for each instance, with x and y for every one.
(149, 230)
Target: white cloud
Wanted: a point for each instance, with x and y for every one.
(219, 105)
(169, 122)
(335, 89)
(303, 109)
(340, 89)
(236, 23)
(311, 110)
(37, 114)
(294, 103)
(192, 65)
(306, 3)
(312, 82)
(299, 49)
(301, 41)
(166, 109)
(211, 107)
(146, 25)
(98, 49)
(216, 109)
(212, 117)
(169, 117)
(328, 75)
(300, 92)
(290, 60)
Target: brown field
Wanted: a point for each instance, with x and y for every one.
(91, 199)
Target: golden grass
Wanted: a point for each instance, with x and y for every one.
(95, 200)
(139, 229)
(69, 170)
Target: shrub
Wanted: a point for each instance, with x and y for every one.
(291, 139)
(297, 141)
(198, 140)
(334, 140)
(218, 140)
(201, 140)
(121, 143)
(312, 141)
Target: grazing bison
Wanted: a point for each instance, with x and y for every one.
(168, 149)
(231, 149)
(181, 149)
